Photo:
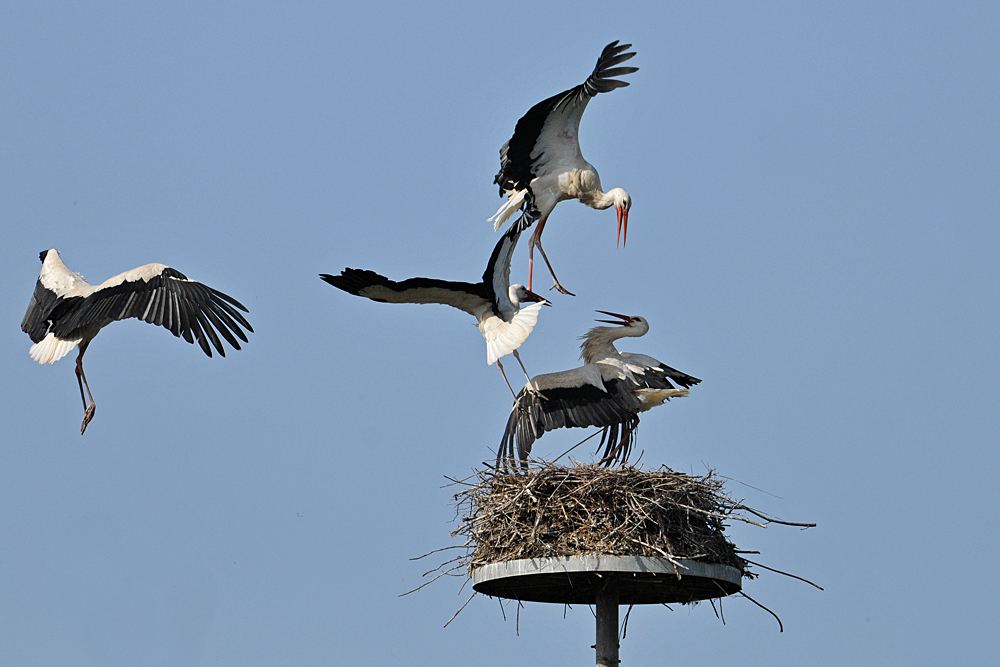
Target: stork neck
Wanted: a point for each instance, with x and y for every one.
(599, 342)
(597, 198)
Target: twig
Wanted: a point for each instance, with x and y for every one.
(770, 520)
(454, 546)
(428, 583)
(460, 609)
(625, 624)
(575, 446)
(781, 628)
(787, 574)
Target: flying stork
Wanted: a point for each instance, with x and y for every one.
(541, 164)
(496, 304)
(609, 391)
(66, 311)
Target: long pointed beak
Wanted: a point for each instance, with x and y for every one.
(625, 319)
(622, 226)
(531, 296)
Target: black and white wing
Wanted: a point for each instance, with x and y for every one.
(577, 405)
(654, 374)
(156, 294)
(496, 278)
(41, 309)
(548, 132)
(469, 297)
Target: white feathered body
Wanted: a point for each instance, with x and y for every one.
(502, 337)
(63, 282)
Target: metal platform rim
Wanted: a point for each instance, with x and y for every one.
(605, 565)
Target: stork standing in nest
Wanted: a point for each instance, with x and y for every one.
(67, 312)
(541, 164)
(609, 391)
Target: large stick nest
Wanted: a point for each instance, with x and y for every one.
(559, 511)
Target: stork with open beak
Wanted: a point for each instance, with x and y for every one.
(541, 164)
(609, 391)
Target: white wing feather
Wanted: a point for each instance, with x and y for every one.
(51, 349)
(502, 338)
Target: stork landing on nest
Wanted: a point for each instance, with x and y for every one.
(541, 164)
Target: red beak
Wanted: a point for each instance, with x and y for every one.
(625, 319)
(622, 225)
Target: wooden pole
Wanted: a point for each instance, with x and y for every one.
(607, 625)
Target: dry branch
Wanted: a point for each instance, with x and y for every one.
(556, 511)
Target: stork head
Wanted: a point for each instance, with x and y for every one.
(632, 325)
(520, 294)
(43, 253)
(623, 202)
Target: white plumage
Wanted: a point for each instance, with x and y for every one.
(542, 165)
(66, 312)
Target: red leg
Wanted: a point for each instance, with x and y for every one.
(500, 366)
(88, 410)
(536, 239)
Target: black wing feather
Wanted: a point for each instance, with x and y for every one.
(206, 326)
(658, 377)
(353, 281)
(575, 407)
(44, 307)
(184, 307)
(516, 164)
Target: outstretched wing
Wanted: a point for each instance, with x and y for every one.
(159, 295)
(548, 132)
(577, 406)
(654, 374)
(468, 297)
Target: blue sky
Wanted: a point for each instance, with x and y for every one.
(813, 232)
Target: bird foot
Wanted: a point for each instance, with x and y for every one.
(534, 392)
(87, 416)
(557, 286)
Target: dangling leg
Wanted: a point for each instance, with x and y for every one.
(500, 366)
(531, 250)
(531, 385)
(81, 378)
(536, 239)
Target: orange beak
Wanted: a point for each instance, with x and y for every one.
(622, 225)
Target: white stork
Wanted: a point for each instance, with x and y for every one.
(66, 311)
(541, 165)
(496, 304)
(609, 391)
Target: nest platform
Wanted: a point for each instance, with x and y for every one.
(591, 535)
(558, 533)
(581, 579)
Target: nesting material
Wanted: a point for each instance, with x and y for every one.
(556, 511)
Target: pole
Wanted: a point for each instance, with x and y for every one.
(607, 625)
